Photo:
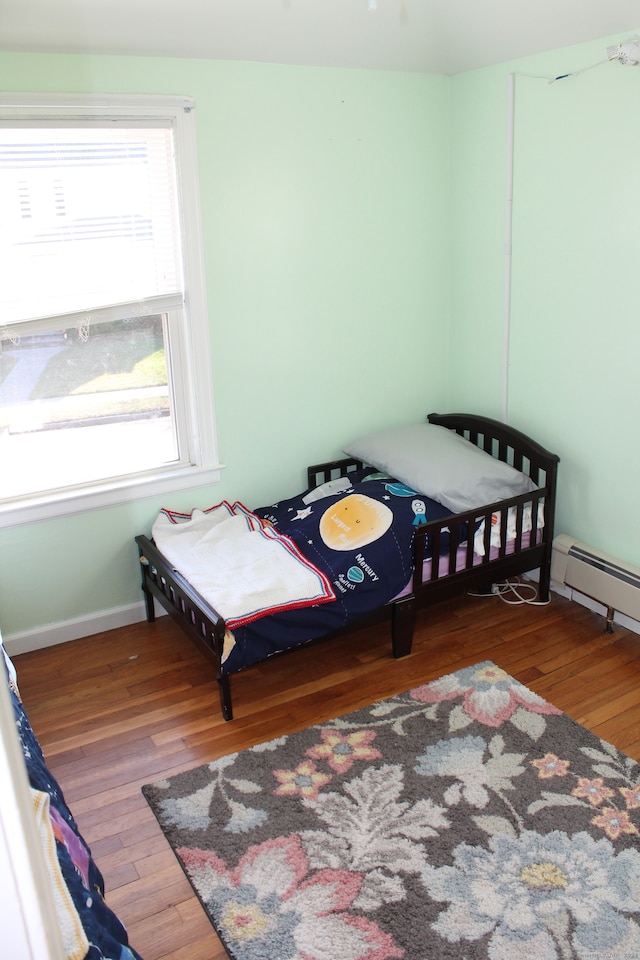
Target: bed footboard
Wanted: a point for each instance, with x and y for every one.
(188, 608)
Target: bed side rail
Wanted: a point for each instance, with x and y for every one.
(460, 559)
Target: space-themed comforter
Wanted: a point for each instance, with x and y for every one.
(348, 545)
(89, 929)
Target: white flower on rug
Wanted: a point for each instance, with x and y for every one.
(551, 896)
(464, 758)
(490, 696)
(370, 830)
(272, 906)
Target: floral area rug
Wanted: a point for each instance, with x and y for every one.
(467, 818)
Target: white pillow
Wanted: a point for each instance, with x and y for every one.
(440, 464)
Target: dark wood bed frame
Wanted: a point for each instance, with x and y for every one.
(530, 551)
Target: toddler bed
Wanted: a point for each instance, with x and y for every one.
(411, 515)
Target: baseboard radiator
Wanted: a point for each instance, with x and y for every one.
(597, 575)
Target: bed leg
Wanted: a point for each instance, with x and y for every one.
(224, 687)
(402, 626)
(148, 596)
(149, 605)
(544, 585)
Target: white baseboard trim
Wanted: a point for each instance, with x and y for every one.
(87, 626)
(620, 618)
(570, 594)
(54, 633)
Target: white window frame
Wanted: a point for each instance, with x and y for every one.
(192, 358)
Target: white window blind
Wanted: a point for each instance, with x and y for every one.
(90, 219)
(105, 371)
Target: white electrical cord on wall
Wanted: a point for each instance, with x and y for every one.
(508, 242)
(625, 53)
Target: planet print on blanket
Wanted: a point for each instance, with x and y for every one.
(354, 521)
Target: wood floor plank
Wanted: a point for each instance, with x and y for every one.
(124, 708)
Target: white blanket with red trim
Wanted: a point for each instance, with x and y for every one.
(243, 567)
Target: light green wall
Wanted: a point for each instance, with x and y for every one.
(478, 138)
(330, 231)
(575, 301)
(325, 199)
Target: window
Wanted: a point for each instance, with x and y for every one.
(105, 376)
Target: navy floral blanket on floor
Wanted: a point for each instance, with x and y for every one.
(90, 930)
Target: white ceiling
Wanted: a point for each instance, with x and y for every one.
(435, 36)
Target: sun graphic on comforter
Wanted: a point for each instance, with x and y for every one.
(354, 521)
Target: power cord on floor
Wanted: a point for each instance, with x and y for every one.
(514, 592)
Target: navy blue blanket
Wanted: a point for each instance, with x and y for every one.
(361, 537)
(104, 931)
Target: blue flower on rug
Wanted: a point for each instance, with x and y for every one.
(464, 759)
(552, 895)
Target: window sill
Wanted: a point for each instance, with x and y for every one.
(96, 496)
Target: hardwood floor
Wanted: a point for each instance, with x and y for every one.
(124, 708)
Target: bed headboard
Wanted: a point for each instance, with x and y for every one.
(505, 443)
(494, 437)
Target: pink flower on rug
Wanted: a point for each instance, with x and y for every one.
(489, 695)
(341, 752)
(614, 822)
(551, 766)
(592, 790)
(270, 905)
(305, 781)
(631, 796)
